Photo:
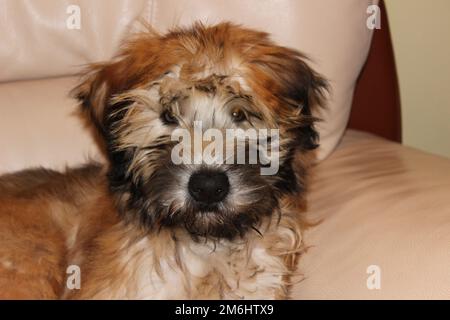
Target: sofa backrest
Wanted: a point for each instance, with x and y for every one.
(48, 38)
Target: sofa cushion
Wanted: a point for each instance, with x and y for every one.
(38, 126)
(385, 209)
(36, 41)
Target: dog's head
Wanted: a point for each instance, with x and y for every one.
(220, 77)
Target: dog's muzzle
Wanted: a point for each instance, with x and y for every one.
(208, 187)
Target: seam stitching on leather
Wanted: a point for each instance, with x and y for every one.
(153, 13)
(148, 11)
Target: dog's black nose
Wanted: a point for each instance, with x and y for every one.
(209, 186)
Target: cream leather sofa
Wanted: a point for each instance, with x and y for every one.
(384, 209)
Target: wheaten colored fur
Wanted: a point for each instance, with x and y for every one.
(129, 224)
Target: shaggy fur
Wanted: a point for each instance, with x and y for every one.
(130, 225)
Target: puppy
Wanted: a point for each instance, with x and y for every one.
(144, 226)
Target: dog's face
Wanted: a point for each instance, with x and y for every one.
(222, 77)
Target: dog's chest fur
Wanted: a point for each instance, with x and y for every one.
(227, 272)
(173, 266)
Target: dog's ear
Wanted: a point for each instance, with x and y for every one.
(306, 89)
(140, 60)
(299, 88)
(99, 82)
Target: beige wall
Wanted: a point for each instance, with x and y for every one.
(421, 36)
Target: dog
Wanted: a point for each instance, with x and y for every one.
(143, 227)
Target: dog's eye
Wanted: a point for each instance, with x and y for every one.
(238, 115)
(168, 117)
